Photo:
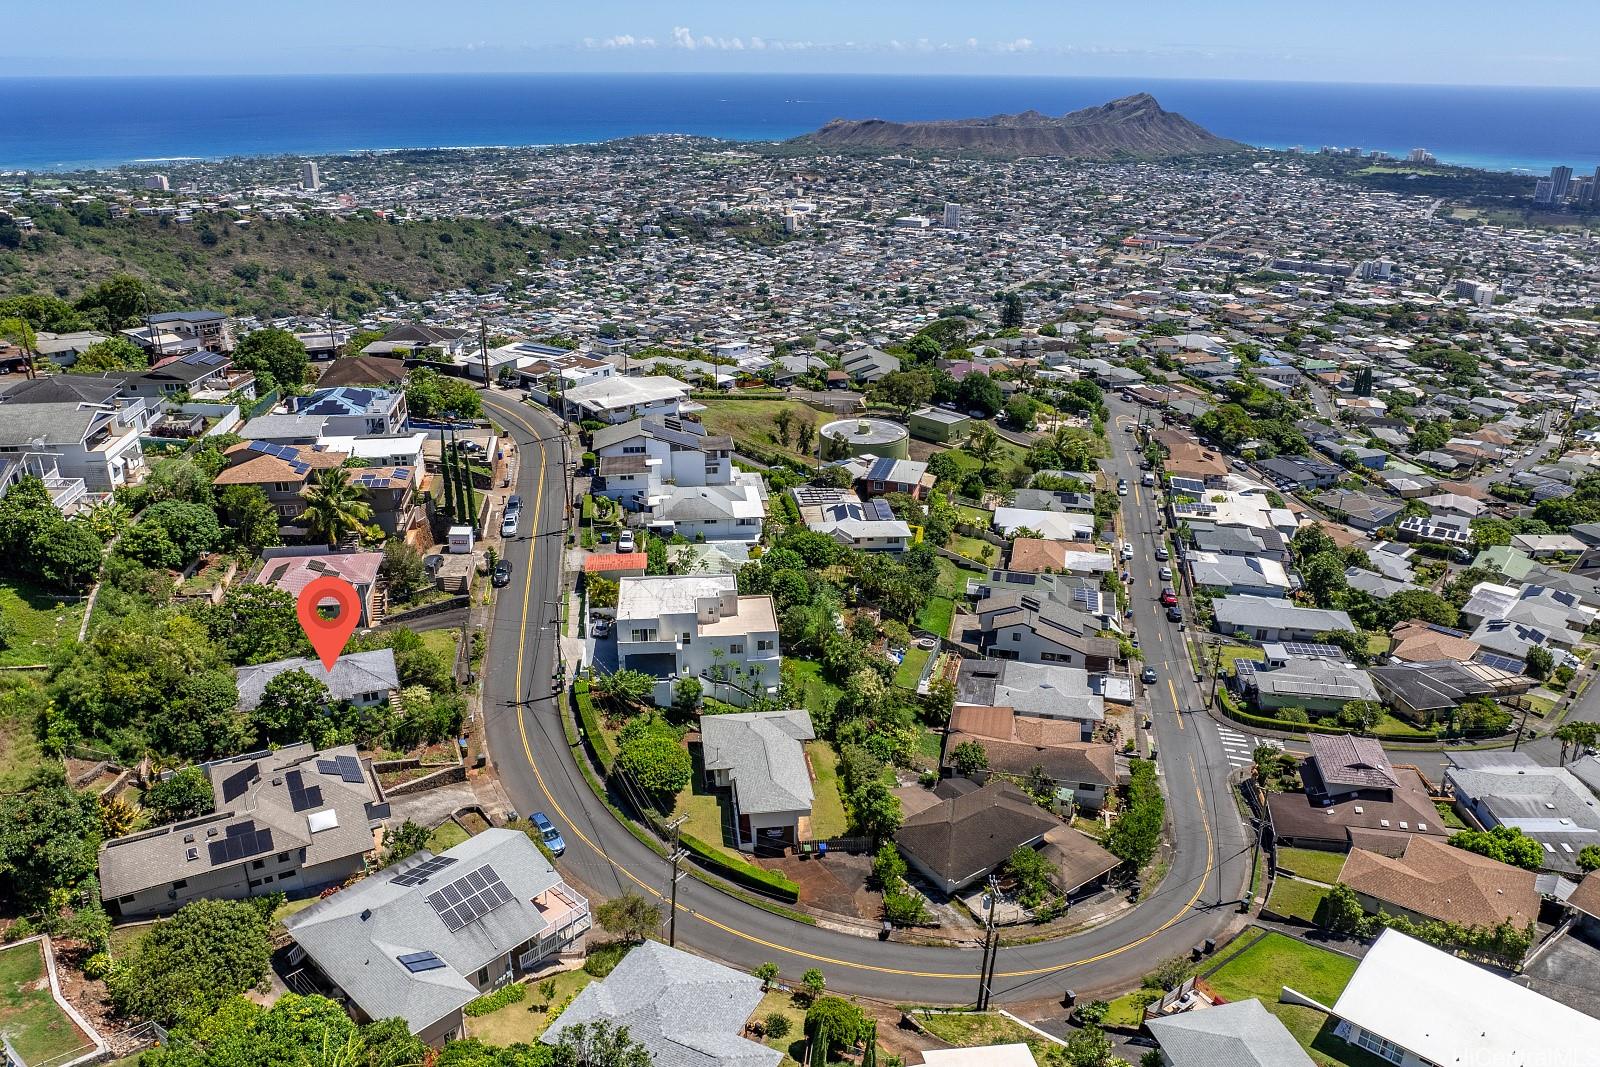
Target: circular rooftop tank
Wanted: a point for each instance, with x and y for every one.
(860, 437)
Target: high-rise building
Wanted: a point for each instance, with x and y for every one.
(1561, 179)
(1544, 192)
(1583, 191)
(1421, 155)
(952, 216)
(309, 179)
(157, 183)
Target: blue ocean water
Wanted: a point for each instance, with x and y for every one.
(65, 123)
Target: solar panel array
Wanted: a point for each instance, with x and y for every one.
(288, 453)
(469, 898)
(301, 796)
(243, 840)
(1447, 631)
(234, 786)
(1509, 664)
(346, 767)
(423, 871)
(381, 478)
(878, 510)
(1307, 648)
(416, 962)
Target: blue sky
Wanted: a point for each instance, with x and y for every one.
(1463, 42)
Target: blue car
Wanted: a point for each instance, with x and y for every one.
(548, 831)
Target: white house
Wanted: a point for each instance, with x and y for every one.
(760, 758)
(1413, 1005)
(682, 478)
(617, 400)
(698, 626)
(88, 426)
(1050, 525)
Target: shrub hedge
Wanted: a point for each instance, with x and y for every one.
(493, 1002)
(771, 883)
(590, 721)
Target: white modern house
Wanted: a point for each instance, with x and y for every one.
(1414, 1006)
(864, 525)
(617, 399)
(84, 429)
(698, 626)
(682, 478)
(760, 757)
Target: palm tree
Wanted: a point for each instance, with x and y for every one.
(983, 445)
(334, 507)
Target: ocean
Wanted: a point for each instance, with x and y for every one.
(74, 123)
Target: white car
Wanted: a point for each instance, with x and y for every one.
(1127, 550)
(625, 541)
(1166, 574)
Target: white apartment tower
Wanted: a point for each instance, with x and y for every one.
(157, 183)
(952, 216)
(310, 180)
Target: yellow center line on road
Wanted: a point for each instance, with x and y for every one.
(1177, 708)
(527, 750)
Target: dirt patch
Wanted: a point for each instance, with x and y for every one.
(87, 995)
(837, 884)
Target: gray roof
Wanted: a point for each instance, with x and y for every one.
(1272, 613)
(1376, 584)
(357, 935)
(254, 789)
(763, 754)
(1240, 1033)
(353, 674)
(687, 1011)
(47, 424)
(274, 427)
(1048, 690)
(1317, 678)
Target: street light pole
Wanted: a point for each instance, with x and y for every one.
(674, 857)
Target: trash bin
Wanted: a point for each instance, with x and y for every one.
(1069, 999)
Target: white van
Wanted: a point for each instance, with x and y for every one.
(1149, 479)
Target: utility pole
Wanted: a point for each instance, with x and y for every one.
(1248, 900)
(675, 856)
(990, 948)
(1216, 670)
(483, 351)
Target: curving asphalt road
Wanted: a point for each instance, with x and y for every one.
(527, 746)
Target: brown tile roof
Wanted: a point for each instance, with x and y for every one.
(1415, 642)
(363, 370)
(1036, 555)
(1293, 815)
(1466, 489)
(1018, 743)
(1586, 898)
(1077, 856)
(256, 468)
(1442, 882)
(1352, 761)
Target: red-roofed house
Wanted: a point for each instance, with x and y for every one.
(294, 569)
(615, 565)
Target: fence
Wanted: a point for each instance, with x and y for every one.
(262, 405)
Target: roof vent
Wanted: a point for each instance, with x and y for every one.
(188, 839)
(366, 913)
(211, 831)
(191, 854)
(1360, 810)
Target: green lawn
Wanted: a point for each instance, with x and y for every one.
(752, 421)
(936, 614)
(707, 815)
(20, 755)
(448, 835)
(974, 548)
(1233, 653)
(972, 1029)
(1295, 899)
(1391, 727)
(909, 673)
(827, 807)
(793, 1043)
(1312, 863)
(35, 1024)
(953, 578)
(1128, 1009)
(35, 623)
(524, 1021)
(819, 694)
(1263, 969)
(441, 642)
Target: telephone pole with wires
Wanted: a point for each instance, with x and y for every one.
(991, 948)
(675, 856)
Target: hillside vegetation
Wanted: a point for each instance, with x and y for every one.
(272, 267)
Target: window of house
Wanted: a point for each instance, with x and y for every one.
(1382, 1046)
(483, 976)
(737, 650)
(254, 884)
(643, 635)
(258, 864)
(267, 879)
(1088, 787)
(1015, 636)
(764, 646)
(283, 857)
(632, 450)
(128, 899)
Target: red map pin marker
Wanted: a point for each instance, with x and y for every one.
(329, 635)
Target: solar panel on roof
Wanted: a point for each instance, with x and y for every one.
(350, 769)
(416, 962)
(234, 786)
(302, 798)
(1509, 664)
(1309, 648)
(424, 870)
(327, 766)
(242, 841)
(469, 897)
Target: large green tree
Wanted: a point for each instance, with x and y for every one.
(335, 507)
(247, 516)
(431, 395)
(255, 624)
(49, 834)
(1508, 844)
(114, 353)
(185, 968)
(290, 702)
(276, 356)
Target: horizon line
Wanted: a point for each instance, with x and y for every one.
(1024, 75)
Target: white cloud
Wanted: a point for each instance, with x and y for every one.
(1021, 44)
(682, 37)
(757, 43)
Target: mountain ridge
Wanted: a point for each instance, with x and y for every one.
(1135, 125)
